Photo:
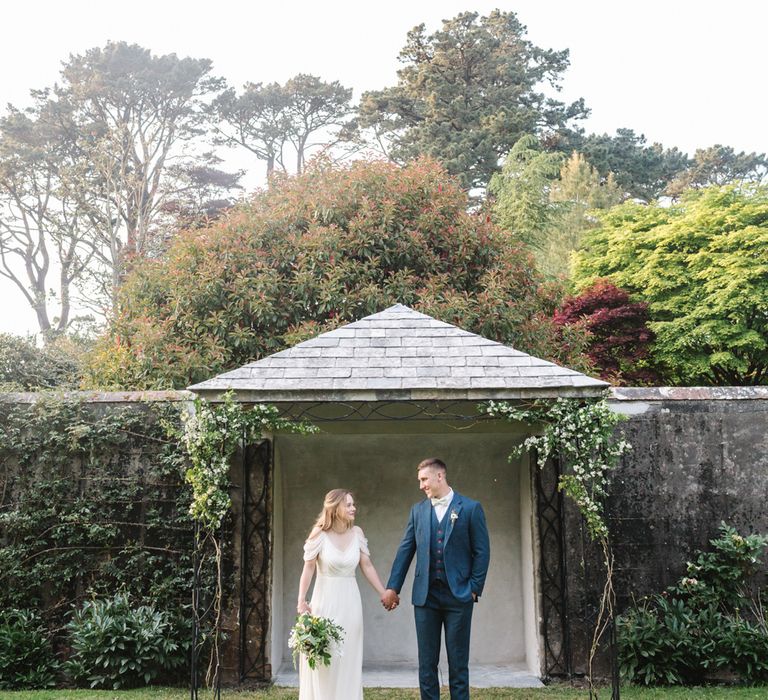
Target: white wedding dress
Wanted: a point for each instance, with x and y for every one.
(336, 596)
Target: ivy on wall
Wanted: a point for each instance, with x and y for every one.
(92, 501)
(212, 433)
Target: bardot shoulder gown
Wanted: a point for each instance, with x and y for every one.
(337, 596)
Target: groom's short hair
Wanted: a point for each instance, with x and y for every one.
(432, 463)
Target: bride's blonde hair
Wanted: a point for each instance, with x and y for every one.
(333, 510)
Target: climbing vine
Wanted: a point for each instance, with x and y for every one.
(582, 434)
(212, 434)
(92, 504)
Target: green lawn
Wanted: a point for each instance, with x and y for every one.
(561, 693)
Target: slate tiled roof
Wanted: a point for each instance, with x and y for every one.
(399, 353)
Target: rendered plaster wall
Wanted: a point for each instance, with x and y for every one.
(381, 471)
(699, 457)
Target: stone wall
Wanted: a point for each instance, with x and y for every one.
(699, 457)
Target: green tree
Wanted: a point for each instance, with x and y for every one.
(521, 201)
(544, 201)
(26, 367)
(579, 190)
(305, 113)
(641, 170)
(315, 251)
(316, 108)
(719, 165)
(467, 93)
(702, 268)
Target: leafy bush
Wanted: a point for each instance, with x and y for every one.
(664, 641)
(744, 649)
(119, 646)
(619, 337)
(26, 367)
(313, 252)
(711, 621)
(26, 657)
(95, 503)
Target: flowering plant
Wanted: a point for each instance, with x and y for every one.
(212, 434)
(582, 435)
(454, 516)
(315, 637)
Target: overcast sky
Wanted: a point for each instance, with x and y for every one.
(687, 73)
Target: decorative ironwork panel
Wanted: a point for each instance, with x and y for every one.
(324, 412)
(555, 628)
(255, 558)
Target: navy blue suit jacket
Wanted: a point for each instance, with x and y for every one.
(467, 550)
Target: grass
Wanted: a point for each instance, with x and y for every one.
(558, 693)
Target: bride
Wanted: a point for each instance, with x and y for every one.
(334, 549)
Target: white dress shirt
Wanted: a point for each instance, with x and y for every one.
(440, 510)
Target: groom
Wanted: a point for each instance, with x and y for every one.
(449, 535)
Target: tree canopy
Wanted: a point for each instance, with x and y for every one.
(641, 170)
(521, 201)
(719, 165)
(315, 251)
(543, 199)
(306, 113)
(91, 171)
(619, 337)
(701, 265)
(467, 93)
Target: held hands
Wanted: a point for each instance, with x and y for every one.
(390, 600)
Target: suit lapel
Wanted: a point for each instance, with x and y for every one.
(425, 513)
(454, 507)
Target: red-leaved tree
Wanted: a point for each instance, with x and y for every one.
(620, 341)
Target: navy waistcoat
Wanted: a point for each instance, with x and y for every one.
(436, 558)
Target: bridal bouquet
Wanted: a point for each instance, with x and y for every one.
(315, 637)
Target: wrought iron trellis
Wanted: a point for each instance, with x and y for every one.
(553, 576)
(255, 556)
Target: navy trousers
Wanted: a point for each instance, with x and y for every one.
(443, 611)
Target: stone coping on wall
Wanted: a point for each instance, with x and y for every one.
(689, 393)
(99, 396)
(623, 394)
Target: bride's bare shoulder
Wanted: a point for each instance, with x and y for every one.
(314, 534)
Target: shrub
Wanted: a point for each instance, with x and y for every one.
(117, 645)
(26, 657)
(664, 641)
(311, 253)
(744, 649)
(619, 337)
(711, 621)
(26, 367)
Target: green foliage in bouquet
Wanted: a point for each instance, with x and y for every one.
(316, 638)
